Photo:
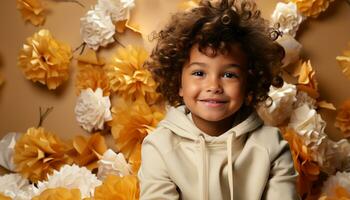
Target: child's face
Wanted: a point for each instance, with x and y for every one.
(213, 88)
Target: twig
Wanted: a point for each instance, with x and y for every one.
(72, 1)
(82, 46)
(115, 38)
(43, 115)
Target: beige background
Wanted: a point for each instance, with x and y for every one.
(323, 39)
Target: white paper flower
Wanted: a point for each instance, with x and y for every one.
(7, 145)
(305, 121)
(97, 28)
(304, 98)
(281, 106)
(71, 177)
(291, 48)
(92, 109)
(288, 17)
(112, 163)
(118, 10)
(339, 179)
(16, 187)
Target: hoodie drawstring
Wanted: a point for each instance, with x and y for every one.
(229, 164)
(203, 169)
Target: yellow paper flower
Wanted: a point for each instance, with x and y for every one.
(38, 152)
(45, 59)
(189, 4)
(91, 75)
(308, 169)
(130, 125)
(343, 118)
(59, 194)
(3, 197)
(31, 10)
(128, 77)
(344, 62)
(121, 188)
(312, 8)
(307, 80)
(86, 152)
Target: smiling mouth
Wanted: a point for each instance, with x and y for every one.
(213, 102)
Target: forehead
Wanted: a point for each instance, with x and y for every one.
(233, 55)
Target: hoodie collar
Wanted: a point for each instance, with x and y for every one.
(179, 123)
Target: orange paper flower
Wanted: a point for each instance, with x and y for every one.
(59, 194)
(343, 119)
(45, 59)
(3, 197)
(31, 10)
(121, 188)
(38, 152)
(91, 75)
(344, 62)
(307, 80)
(189, 4)
(128, 77)
(308, 169)
(130, 125)
(87, 152)
(312, 8)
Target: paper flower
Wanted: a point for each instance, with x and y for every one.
(288, 17)
(4, 197)
(337, 186)
(91, 75)
(92, 109)
(114, 164)
(291, 48)
(7, 146)
(130, 124)
(121, 188)
(312, 8)
(344, 62)
(87, 151)
(38, 152)
(31, 10)
(307, 80)
(281, 106)
(304, 98)
(128, 77)
(305, 121)
(119, 10)
(189, 4)
(343, 119)
(307, 169)
(45, 59)
(71, 177)
(16, 187)
(59, 194)
(97, 28)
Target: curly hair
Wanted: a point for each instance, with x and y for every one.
(217, 26)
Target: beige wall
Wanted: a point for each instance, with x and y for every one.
(323, 39)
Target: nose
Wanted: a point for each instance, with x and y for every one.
(214, 86)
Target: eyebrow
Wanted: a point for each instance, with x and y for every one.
(205, 65)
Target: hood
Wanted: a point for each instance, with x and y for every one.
(182, 125)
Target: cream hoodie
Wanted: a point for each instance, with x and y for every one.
(179, 161)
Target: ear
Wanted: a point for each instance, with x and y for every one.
(181, 94)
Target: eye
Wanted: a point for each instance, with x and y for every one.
(197, 73)
(230, 75)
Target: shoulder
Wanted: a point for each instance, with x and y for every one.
(270, 139)
(161, 139)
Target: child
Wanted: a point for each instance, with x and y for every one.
(215, 63)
